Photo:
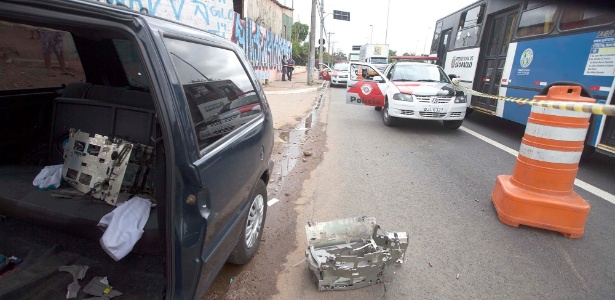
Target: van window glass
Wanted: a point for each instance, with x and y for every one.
(36, 57)
(131, 63)
(580, 16)
(469, 27)
(537, 21)
(218, 90)
(436, 37)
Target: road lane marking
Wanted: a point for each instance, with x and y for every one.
(578, 182)
(272, 201)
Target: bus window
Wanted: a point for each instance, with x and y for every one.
(580, 16)
(537, 21)
(436, 37)
(469, 27)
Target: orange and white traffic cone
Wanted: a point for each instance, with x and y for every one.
(539, 193)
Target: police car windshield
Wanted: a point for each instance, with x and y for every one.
(341, 67)
(423, 73)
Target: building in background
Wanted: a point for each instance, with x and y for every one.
(260, 27)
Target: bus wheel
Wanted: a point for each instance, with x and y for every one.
(378, 108)
(454, 124)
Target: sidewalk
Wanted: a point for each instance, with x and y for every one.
(290, 101)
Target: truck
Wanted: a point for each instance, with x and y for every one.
(354, 54)
(375, 54)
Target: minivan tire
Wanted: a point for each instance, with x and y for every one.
(378, 108)
(243, 252)
(453, 124)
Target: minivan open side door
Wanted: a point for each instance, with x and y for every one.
(364, 89)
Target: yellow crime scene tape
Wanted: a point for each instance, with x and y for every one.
(597, 109)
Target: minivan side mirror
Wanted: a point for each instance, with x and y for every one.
(452, 76)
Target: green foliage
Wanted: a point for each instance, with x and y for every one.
(339, 56)
(392, 52)
(300, 32)
(408, 54)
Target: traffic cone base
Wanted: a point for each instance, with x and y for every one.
(516, 206)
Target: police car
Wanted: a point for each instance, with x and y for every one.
(408, 90)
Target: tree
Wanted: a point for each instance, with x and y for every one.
(408, 54)
(300, 52)
(339, 56)
(392, 53)
(300, 32)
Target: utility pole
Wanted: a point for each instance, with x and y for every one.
(371, 34)
(387, 31)
(322, 31)
(310, 72)
(329, 46)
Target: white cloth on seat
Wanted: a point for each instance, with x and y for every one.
(124, 227)
(49, 177)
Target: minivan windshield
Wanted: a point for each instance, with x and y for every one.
(341, 67)
(419, 72)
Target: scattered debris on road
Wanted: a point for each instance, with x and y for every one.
(307, 153)
(430, 264)
(457, 275)
(350, 253)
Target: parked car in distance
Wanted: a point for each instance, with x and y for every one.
(340, 74)
(154, 83)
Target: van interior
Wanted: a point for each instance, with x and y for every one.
(101, 89)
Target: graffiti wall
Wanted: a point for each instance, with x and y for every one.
(263, 48)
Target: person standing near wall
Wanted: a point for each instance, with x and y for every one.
(291, 67)
(284, 68)
(52, 41)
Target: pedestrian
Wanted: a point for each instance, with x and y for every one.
(291, 67)
(53, 41)
(284, 67)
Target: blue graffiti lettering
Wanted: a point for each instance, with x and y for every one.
(152, 7)
(176, 10)
(201, 9)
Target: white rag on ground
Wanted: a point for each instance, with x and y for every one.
(124, 227)
(49, 178)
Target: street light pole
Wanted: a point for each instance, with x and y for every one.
(386, 35)
(322, 32)
(371, 34)
(329, 46)
(310, 72)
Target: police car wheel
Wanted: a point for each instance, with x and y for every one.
(454, 124)
(378, 108)
(386, 118)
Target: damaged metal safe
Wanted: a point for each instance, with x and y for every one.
(352, 253)
(109, 169)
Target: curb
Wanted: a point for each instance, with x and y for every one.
(285, 92)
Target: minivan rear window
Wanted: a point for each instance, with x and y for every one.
(36, 57)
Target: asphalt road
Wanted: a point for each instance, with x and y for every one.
(436, 184)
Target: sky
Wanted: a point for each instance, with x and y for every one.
(410, 27)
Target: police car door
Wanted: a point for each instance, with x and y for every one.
(366, 85)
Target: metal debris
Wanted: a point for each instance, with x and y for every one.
(78, 272)
(352, 253)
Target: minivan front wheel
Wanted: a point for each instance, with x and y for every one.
(253, 227)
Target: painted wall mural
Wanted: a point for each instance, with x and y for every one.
(263, 48)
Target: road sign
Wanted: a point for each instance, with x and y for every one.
(321, 41)
(341, 15)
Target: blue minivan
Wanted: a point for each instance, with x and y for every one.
(189, 95)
